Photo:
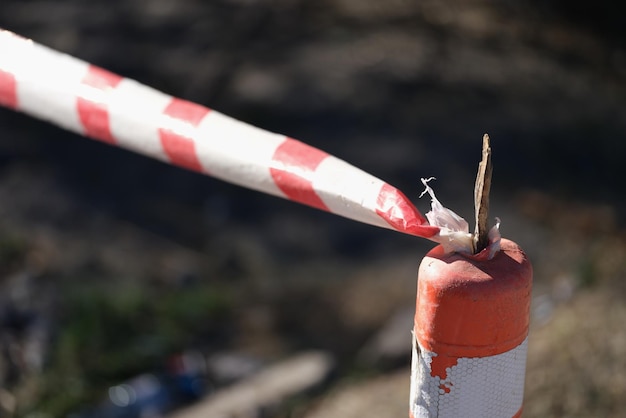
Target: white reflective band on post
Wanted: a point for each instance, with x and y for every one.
(482, 387)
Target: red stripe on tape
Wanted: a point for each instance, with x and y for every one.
(394, 207)
(293, 167)
(8, 90)
(179, 148)
(94, 114)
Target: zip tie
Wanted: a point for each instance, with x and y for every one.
(96, 103)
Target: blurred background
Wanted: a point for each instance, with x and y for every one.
(129, 288)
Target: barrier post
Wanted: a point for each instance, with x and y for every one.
(471, 334)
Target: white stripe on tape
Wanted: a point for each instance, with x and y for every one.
(133, 110)
(237, 152)
(47, 82)
(358, 189)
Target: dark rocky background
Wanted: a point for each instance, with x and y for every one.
(111, 264)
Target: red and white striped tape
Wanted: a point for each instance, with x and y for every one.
(94, 102)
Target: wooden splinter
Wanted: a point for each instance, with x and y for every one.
(481, 197)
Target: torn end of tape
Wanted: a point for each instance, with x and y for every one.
(394, 207)
(454, 235)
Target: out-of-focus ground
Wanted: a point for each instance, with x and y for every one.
(119, 274)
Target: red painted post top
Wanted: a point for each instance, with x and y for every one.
(473, 308)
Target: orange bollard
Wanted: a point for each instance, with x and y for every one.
(471, 334)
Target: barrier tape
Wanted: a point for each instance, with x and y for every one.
(104, 106)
